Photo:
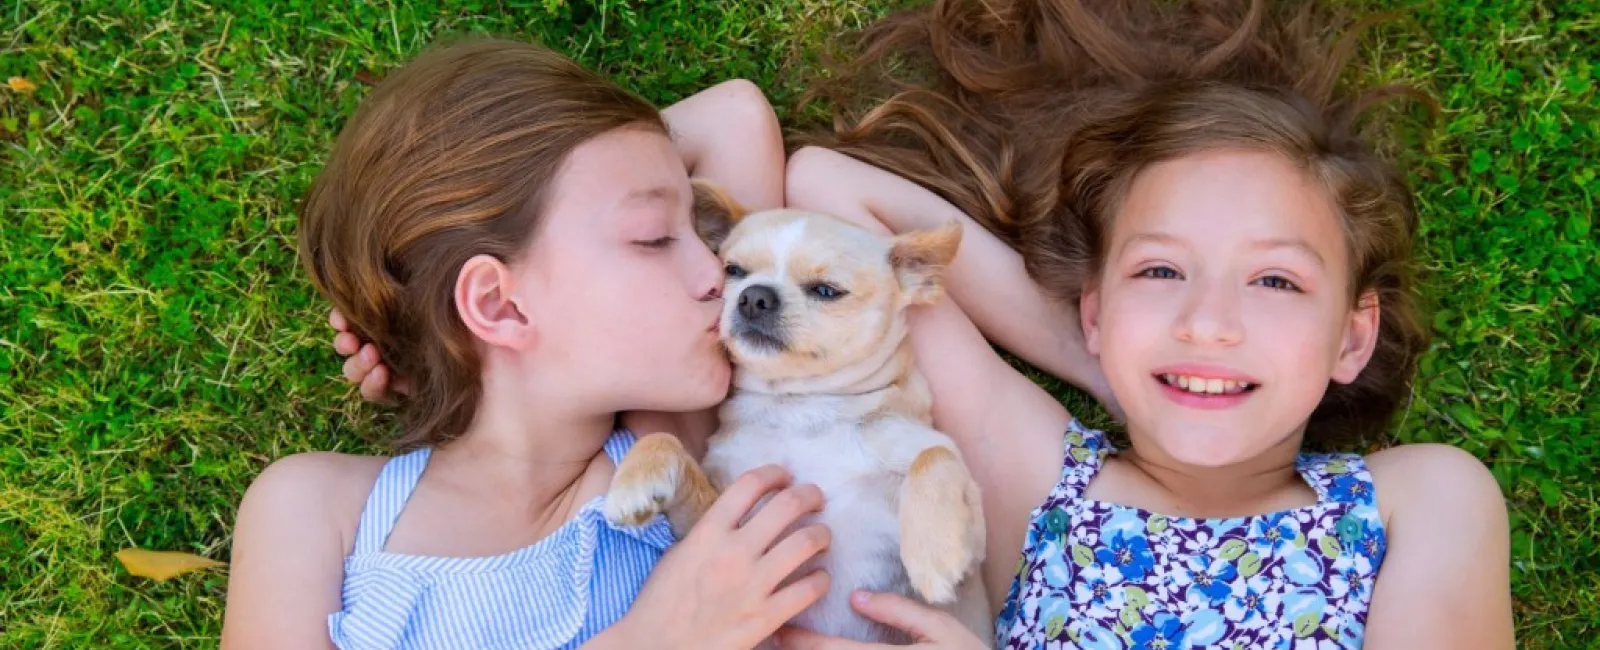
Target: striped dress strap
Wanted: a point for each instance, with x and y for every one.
(394, 486)
(618, 444)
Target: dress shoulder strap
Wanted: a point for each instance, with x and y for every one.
(394, 486)
(1085, 452)
(1338, 478)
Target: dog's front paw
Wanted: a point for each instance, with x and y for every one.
(937, 511)
(644, 486)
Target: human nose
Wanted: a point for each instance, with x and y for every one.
(1210, 315)
(705, 274)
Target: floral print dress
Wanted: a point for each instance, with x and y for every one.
(1101, 576)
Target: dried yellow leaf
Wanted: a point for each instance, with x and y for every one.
(21, 85)
(161, 565)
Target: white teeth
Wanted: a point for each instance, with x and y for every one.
(1206, 386)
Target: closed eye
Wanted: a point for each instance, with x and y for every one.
(657, 243)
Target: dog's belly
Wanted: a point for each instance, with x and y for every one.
(861, 512)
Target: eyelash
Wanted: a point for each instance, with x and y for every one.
(1287, 284)
(1152, 273)
(660, 243)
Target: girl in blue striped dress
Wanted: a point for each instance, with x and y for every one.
(514, 234)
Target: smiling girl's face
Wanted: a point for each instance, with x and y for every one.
(1224, 309)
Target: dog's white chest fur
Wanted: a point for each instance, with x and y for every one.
(859, 460)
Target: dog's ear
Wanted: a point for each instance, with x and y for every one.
(919, 257)
(715, 212)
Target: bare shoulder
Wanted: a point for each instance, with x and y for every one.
(311, 492)
(1434, 480)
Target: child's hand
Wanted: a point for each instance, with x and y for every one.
(932, 629)
(363, 365)
(728, 586)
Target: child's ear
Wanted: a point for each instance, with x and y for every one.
(1089, 317)
(715, 212)
(487, 302)
(1360, 339)
(919, 257)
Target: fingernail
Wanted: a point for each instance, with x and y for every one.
(859, 597)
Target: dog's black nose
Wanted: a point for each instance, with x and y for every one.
(758, 302)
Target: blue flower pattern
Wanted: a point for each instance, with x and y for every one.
(1101, 575)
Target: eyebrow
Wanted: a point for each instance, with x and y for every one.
(1293, 243)
(660, 193)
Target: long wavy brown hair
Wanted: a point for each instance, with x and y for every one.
(450, 156)
(1035, 116)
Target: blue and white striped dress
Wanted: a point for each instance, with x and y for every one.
(556, 593)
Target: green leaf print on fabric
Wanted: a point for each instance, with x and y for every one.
(1330, 546)
(1130, 617)
(1136, 597)
(1306, 623)
(1232, 549)
(1082, 556)
(1157, 524)
(1249, 564)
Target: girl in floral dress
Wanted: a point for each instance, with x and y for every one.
(1171, 206)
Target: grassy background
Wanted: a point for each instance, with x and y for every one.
(159, 345)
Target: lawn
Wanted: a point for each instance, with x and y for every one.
(159, 344)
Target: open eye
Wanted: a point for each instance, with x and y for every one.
(1279, 283)
(825, 291)
(734, 270)
(1159, 273)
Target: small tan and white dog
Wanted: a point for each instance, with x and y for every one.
(825, 385)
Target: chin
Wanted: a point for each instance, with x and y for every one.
(1207, 447)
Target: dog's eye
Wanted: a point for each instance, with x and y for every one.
(733, 270)
(826, 291)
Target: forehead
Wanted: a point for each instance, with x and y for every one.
(622, 166)
(1222, 199)
(803, 243)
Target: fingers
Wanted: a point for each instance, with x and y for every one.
(791, 552)
(375, 388)
(338, 321)
(789, 601)
(359, 365)
(780, 513)
(346, 344)
(899, 612)
(743, 494)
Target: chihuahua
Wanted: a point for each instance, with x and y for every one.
(825, 386)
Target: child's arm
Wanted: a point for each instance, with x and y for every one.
(988, 280)
(1009, 430)
(729, 134)
(289, 546)
(1445, 580)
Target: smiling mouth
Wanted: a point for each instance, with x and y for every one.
(1204, 386)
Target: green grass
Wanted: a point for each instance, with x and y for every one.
(159, 345)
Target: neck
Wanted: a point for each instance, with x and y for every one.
(528, 451)
(1267, 482)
